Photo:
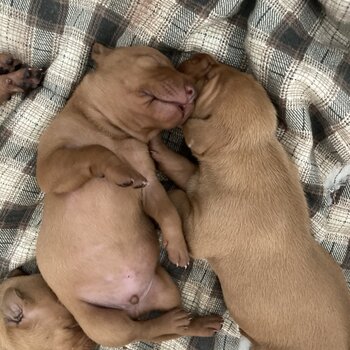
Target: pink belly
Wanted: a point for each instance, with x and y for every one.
(124, 290)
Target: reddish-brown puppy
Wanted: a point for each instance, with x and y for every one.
(14, 79)
(244, 210)
(32, 318)
(97, 248)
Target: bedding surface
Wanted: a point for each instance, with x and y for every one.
(298, 49)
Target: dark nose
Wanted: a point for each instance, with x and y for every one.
(190, 92)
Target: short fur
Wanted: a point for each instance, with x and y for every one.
(32, 318)
(244, 210)
(97, 249)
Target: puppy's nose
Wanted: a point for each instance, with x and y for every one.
(190, 92)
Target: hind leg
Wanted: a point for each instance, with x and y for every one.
(164, 295)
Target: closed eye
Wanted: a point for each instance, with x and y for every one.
(148, 97)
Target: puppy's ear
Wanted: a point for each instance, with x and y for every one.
(12, 308)
(98, 50)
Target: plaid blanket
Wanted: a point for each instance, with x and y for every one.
(298, 49)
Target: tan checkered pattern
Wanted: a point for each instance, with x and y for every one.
(299, 50)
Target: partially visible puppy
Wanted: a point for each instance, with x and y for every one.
(244, 210)
(31, 318)
(14, 78)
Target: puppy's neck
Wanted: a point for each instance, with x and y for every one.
(102, 124)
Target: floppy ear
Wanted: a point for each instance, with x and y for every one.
(12, 308)
(99, 50)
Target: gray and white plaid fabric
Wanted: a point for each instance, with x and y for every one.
(299, 50)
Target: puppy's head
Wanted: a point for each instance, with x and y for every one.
(232, 109)
(31, 317)
(141, 84)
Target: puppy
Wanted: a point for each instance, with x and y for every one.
(97, 249)
(14, 79)
(244, 210)
(33, 318)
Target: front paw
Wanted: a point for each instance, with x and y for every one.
(177, 251)
(124, 176)
(157, 148)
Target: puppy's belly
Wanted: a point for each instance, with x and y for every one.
(127, 292)
(104, 250)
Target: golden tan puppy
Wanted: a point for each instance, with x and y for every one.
(97, 248)
(244, 210)
(33, 319)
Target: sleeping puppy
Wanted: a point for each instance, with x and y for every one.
(14, 79)
(97, 249)
(32, 318)
(244, 210)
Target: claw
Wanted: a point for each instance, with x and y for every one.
(125, 184)
(142, 185)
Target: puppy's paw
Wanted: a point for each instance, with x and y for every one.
(156, 148)
(175, 321)
(8, 64)
(177, 252)
(205, 326)
(28, 78)
(125, 176)
(22, 80)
